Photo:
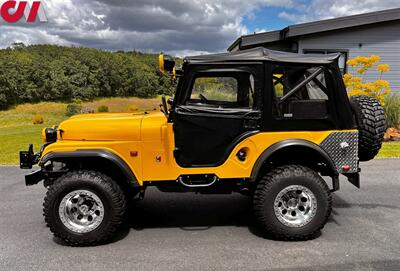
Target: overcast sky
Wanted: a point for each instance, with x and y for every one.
(176, 26)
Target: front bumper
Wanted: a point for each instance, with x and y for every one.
(34, 177)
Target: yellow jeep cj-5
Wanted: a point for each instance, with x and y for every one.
(263, 123)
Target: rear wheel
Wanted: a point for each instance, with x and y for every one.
(292, 203)
(84, 208)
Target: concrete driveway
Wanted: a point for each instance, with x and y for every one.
(200, 232)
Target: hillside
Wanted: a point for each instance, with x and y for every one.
(38, 73)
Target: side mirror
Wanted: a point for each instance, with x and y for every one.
(167, 63)
(170, 101)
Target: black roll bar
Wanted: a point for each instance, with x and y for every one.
(301, 84)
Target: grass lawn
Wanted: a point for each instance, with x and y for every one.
(17, 129)
(390, 150)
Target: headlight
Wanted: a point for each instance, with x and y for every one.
(49, 135)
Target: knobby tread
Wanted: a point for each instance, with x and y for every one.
(102, 181)
(371, 123)
(263, 191)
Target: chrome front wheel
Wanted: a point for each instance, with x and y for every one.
(81, 211)
(84, 208)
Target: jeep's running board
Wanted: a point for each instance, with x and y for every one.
(194, 181)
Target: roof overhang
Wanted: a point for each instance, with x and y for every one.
(298, 30)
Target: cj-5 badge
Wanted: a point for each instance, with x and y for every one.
(13, 11)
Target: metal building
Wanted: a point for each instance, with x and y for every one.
(375, 33)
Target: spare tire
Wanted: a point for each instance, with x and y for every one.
(371, 123)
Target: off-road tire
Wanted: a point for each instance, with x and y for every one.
(102, 186)
(371, 123)
(275, 181)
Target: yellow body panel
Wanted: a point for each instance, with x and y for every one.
(153, 139)
(104, 127)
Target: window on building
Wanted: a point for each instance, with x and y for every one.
(342, 59)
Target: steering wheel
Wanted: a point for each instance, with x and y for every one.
(164, 105)
(203, 98)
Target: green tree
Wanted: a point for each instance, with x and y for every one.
(54, 73)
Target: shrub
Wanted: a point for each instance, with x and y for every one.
(73, 109)
(76, 101)
(392, 110)
(102, 109)
(133, 108)
(38, 119)
(356, 85)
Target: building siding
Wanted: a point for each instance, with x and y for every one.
(380, 39)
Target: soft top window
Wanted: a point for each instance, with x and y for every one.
(230, 90)
(301, 92)
(215, 89)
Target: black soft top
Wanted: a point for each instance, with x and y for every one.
(264, 54)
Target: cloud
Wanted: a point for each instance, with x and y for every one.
(11, 34)
(176, 26)
(326, 9)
